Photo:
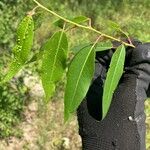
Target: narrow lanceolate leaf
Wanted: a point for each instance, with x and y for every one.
(102, 46)
(113, 76)
(79, 77)
(25, 38)
(53, 62)
(22, 49)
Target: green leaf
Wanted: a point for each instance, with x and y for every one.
(79, 77)
(113, 76)
(22, 49)
(14, 68)
(77, 48)
(80, 19)
(103, 46)
(53, 62)
(24, 39)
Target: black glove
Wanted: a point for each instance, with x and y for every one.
(123, 128)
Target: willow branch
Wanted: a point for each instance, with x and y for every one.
(82, 26)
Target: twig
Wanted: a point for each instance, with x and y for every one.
(82, 26)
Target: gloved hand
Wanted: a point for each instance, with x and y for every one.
(123, 128)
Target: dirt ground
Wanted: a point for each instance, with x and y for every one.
(43, 127)
(45, 131)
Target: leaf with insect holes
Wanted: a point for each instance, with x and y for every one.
(113, 76)
(22, 49)
(53, 62)
(102, 46)
(79, 78)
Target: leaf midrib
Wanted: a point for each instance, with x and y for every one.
(56, 55)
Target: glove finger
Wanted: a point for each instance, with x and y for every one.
(121, 128)
(139, 65)
(96, 89)
(104, 57)
(124, 125)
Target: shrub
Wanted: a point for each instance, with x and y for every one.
(12, 97)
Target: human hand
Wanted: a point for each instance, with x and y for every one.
(124, 126)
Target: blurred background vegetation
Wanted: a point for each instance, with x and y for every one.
(24, 120)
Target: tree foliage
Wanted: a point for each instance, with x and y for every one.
(54, 52)
(54, 59)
